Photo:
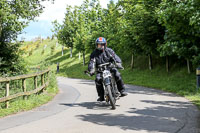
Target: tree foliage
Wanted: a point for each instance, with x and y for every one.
(14, 17)
(138, 27)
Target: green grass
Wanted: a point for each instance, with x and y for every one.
(19, 104)
(24, 105)
(176, 81)
(194, 99)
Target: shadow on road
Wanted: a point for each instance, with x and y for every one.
(155, 119)
(168, 116)
(148, 123)
(158, 116)
(91, 105)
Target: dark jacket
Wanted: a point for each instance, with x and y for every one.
(100, 57)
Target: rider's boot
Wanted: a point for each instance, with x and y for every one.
(123, 93)
(101, 98)
(100, 92)
(121, 88)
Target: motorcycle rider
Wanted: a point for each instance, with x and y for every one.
(102, 54)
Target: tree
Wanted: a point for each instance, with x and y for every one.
(66, 32)
(95, 20)
(14, 17)
(180, 19)
(127, 38)
(143, 29)
(112, 26)
(82, 31)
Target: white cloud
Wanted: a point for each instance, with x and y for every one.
(51, 12)
(57, 10)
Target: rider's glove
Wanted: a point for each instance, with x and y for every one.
(92, 71)
(119, 65)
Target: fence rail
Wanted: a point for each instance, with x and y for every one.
(25, 92)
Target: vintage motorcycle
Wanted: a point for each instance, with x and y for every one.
(111, 92)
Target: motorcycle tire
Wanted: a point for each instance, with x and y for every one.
(111, 98)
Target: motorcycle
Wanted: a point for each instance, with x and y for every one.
(111, 92)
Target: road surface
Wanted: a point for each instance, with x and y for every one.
(75, 110)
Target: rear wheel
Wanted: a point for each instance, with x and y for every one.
(111, 97)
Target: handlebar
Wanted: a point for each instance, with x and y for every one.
(104, 64)
(111, 64)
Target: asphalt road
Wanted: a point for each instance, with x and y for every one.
(75, 110)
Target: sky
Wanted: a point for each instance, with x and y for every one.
(43, 24)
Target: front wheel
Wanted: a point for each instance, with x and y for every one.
(111, 97)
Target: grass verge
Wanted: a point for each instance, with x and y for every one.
(33, 101)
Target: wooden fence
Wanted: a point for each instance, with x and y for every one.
(44, 83)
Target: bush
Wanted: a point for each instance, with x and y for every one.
(11, 61)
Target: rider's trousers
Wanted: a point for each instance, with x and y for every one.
(99, 84)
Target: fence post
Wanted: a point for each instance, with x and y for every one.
(42, 81)
(198, 77)
(7, 93)
(23, 78)
(48, 76)
(35, 82)
(24, 87)
(57, 67)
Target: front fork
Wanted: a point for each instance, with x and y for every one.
(107, 81)
(112, 83)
